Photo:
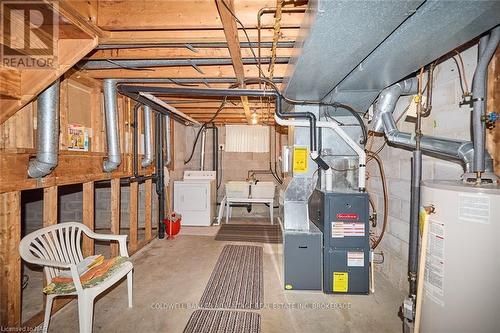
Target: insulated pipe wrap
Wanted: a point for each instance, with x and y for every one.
(113, 136)
(47, 131)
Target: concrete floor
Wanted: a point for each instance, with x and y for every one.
(170, 276)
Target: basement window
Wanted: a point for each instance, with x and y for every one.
(247, 138)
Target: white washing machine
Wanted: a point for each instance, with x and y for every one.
(195, 198)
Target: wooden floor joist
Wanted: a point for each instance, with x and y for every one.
(226, 8)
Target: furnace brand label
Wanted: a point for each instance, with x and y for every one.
(347, 229)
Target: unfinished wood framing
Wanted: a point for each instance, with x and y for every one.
(10, 261)
(133, 214)
(50, 206)
(493, 105)
(88, 216)
(115, 214)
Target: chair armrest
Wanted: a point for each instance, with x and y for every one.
(122, 241)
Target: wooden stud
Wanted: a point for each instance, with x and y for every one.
(133, 213)
(88, 216)
(493, 104)
(50, 206)
(63, 115)
(10, 261)
(115, 214)
(148, 190)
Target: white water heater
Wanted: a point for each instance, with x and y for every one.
(462, 268)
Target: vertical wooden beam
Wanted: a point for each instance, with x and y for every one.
(50, 206)
(63, 115)
(96, 117)
(134, 197)
(493, 104)
(115, 213)
(148, 189)
(88, 217)
(10, 261)
(233, 44)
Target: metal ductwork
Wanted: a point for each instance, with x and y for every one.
(487, 47)
(448, 149)
(148, 151)
(48, 133)
(366, 53)
(112, 133)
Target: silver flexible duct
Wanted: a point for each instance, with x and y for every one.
(448, 149)
(48, 133)
(487, 47)
(148, 151)
(112, 133)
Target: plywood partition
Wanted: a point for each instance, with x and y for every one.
(10, 261)
(115, 213)
(88, 216)
(133, 213)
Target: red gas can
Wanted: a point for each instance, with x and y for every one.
(172, 225)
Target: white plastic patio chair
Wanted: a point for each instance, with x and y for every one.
(58, 248)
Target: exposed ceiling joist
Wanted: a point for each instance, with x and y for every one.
(231, 32)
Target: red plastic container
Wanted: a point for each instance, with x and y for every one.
(172, 225)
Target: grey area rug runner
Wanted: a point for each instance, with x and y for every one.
(237, 279)
(259, 233)
(223, 321)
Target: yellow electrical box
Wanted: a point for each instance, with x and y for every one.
(300, 155)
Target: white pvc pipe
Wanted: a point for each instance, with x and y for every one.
(335, 127)
(329, 180)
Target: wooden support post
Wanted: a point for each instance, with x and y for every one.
(49, 206)
(88, 217)
(148, 189)
(10, 261)
(134, 197)
(115, 214)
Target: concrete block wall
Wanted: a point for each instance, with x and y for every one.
(447, 120)
(70, 207)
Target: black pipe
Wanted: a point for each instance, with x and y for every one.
(160, 188)
(416, 176)
(196, 45)
(132, 91)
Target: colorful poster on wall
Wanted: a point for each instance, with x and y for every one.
(78, 138)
